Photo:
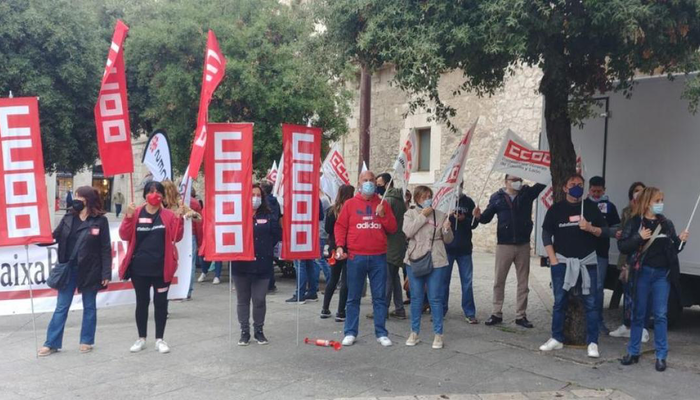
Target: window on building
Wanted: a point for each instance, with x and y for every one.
(423, 149)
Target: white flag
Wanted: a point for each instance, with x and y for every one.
(516, 157)
(404, 162)
(334, 173)
(278, 189)
(447, 188)
(272, 174)
(364, 167)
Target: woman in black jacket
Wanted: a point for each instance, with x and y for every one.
(83, 231)
(338, 271)
(251, 278)
(651, 242)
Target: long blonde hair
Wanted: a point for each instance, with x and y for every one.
(172, 196)
(643, 202)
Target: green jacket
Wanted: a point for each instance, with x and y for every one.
(396, 242)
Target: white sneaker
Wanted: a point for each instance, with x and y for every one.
(138, 346)
(201, 277)
(645, 336)
(348, 340)
(412, 339)
(384, 341)
(622, 331)
(552, 344)
(438, 343)
(216, 281)
(162, 347)
(593, 351)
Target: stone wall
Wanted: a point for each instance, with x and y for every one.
(517, 106)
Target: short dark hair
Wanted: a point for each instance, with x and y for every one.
(386, 177)
(266, 187)
(597, 181)
(148, 187)
(574, 176)
(630, 192)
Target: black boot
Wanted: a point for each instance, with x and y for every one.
(245, 337)
(629, 359)
(259, 336)
(660, 365)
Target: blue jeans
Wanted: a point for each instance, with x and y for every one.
(358, 268)
(561, 303)
(307, 274)
(433, 282)
(651, 282)
(54, 334)
(600, 290)
(218, 266)
(466, 267)
(323, 264)
(118, 209)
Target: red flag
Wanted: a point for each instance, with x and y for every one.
(112, 111)
(228, 171)
(301, 179)
(24, 209)
(214, 69)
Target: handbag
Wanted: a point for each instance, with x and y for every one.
(423, 265)
(637, 264)
(60, 274)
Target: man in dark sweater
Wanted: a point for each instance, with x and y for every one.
(463, 221)
(513, 206)
(597, 197)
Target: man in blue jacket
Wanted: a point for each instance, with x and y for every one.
(513, 206)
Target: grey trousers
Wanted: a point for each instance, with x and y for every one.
(394, 287)
(247, 290)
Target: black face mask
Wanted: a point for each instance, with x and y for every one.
(380, 190)
(78, 205)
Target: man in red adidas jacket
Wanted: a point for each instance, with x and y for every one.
(360, 234)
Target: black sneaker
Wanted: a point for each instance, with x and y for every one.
(293, 300)
(325, 314)
(629, 359)
(398, 314)
(311, 298)
(245, 338)
(660, 365)
(493, 320)
(339, 317)
(524, 323)
(260, 337)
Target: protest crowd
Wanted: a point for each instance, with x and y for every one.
(398, 243)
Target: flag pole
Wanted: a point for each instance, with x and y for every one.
(31, 299)
(386, 188)
(131, 180)
(230, 305)
(298, 269)
(483, 189)
(692, 215)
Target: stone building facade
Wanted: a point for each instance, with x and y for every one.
(517, 106)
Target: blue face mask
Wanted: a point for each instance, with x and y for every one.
(576, 192)
(426, 203)
(657, 208)
(368, 188)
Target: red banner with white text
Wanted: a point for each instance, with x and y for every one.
(301, 180)
(214, 69)
(112, 111)
(24, 209)
(228, 180)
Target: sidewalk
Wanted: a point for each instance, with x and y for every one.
(494, 363)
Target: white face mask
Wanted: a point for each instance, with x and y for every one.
(517, 185)
(257, 201)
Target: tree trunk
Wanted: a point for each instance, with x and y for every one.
(365, 114)
(555, 88)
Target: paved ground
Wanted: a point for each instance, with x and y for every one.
(477, 361)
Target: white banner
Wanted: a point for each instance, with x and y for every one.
(278, 189)
(335, 174)
(447, 188)
(404, 163)
(156, 156)
(516, 157)
(15, 277)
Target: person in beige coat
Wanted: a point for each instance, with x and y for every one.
(427, 231)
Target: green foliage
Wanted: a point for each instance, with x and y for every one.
(275, 73)
(47, 51)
